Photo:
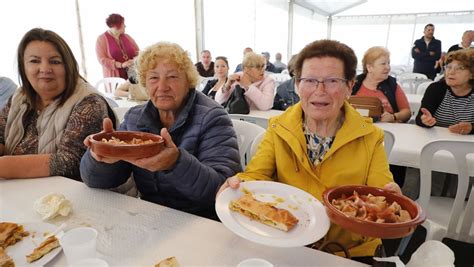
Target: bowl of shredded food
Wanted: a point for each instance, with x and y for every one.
(372, 211)
(126, 144)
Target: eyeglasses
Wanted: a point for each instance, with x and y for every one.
(260, 66)
(454, 68)
(329, 83)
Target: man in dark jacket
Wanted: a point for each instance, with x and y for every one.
(426, 51)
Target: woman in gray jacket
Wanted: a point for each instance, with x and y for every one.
(201, 147)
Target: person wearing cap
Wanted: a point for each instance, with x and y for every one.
(270, 67)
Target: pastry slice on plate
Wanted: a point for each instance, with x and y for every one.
(44, 248)
(264, 212)
(10, 233)
(5, 260)
(168, 262)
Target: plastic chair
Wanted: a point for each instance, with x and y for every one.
(108, 85)
(388, 141)
(411, 75)
(255, 144)
(420, 90)
(246, 134)
(410, 86)
(120, 113)
(444, 215)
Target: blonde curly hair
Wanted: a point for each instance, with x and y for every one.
(165, 51)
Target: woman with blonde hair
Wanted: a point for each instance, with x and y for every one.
(200, 148)
(259, 87)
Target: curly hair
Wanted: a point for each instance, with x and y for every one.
(328, 48)
(70, 64)
(252, 59)
(114, 20)
(466, 57)
(165, 51)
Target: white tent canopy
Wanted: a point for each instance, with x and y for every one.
(225, 27)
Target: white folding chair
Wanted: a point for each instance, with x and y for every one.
(411, 75)
(444, 215)
(246, 134)
(255, 144)
(388, 141)
(410, 86)
(420, 90)
(108, 85)
(120, 113)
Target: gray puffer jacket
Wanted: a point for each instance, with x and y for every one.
(208, 149)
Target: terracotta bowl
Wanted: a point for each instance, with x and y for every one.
(126, 151)
(368, 228)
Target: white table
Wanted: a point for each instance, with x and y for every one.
(415, 102)
(133, 232)
(259, 117)
(127, 103)
(411, 138)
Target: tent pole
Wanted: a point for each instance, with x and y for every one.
(81, 40)
(289, 51)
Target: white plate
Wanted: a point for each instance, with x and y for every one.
(24, 247)
(313, 221)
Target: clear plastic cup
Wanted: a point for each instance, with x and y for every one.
(255, 262)
(90, 262)
(79, 243)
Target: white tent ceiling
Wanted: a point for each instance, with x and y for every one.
(383, 7)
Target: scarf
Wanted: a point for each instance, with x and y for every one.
(50, 123)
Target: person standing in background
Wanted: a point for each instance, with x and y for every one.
(115, 49)
(279, 66)
(7, 88)
(205, 67)
(426, 51)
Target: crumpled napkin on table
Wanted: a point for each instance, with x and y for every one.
(52, 205)
(432, 253)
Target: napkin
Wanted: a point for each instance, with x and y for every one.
(52, 205)
(432, 253)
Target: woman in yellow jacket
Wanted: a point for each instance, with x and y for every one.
(323, 142)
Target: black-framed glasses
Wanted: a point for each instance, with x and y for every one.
(329, 83)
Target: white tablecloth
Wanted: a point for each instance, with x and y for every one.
(133, 232)
(411, 138)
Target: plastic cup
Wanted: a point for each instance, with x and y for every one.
(79, 243)
(255, 262)
(90, 262)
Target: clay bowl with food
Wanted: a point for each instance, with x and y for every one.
(367, 222)
(126, 144)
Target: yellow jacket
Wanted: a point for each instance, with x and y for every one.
(357, 156)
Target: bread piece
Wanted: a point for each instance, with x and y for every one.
(10, 233)
(44, 248)
(5, 260)
(169, 262)
(264, 212)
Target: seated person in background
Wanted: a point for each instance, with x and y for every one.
(313, 143)
(131, 88)
(43, 125)
(466, 42)
(269, 66)
(376, 81)
(221, 70)
(201, 147)
(450, 102)
(205, 67)
(259, 87)
(286, 95)
(7, 88)
(239, 66)
(279, 66)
